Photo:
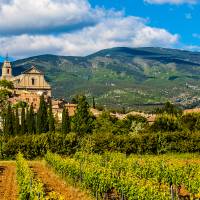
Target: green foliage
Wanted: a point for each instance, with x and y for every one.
(74, 100)
(108, 123)
(33, 146)
(66, 124)
(166, 122)
(4, 94)
(23, 121)
(16, 125)
(51, 119)
(105, 123)
(191, 121)
(100, 178)
(20, 104)
(29, 188)
(82, 119)
(31, 125)
(8, 121)
(36, 145)
(6, 84)
(42, 117)
(169, 109)
(166, 170)
(147, 75)
(93, 103)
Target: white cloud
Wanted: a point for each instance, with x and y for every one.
(28, 16)
(177, 2)
(33, 28)
(191, 47)
(122, 31)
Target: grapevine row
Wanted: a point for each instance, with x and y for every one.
(29, 187)
(101, 179)
(157, 169)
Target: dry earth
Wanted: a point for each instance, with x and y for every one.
(8, 183)
(53, 183)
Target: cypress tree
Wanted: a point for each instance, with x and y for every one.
(51, 119)
(8, 121)
(31, 121)
(42, 117)
(93, 103)
(82, 118)
(8, 126)
(23, 121)
(13, 121)
(16, 123)
(27, 118)
(66, 126)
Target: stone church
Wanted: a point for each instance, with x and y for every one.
(31, 80)
(29, 86)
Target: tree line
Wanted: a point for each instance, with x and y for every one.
(22, 119)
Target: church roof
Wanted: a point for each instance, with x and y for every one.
(32, 70)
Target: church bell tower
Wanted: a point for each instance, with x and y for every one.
(6, 70)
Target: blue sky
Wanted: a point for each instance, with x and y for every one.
(183, 19)
(81, 27)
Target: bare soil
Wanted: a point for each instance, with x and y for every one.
(8, 183)
(53, 183)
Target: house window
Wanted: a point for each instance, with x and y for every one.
(33, 81)
(8, 71)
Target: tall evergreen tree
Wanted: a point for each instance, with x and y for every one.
(93, 103)
(31, 120)
(66, 125)
(23, 121)
(8, 124)
(16, 123)
(42, 117)
(27, 118)
(82, 118)
(51, 119)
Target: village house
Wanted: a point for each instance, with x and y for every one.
(29, 86)
(31, 80)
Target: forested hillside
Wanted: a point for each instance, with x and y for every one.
(123, 77)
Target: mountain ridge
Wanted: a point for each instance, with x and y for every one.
(123, 77)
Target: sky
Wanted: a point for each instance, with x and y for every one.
(82, 27)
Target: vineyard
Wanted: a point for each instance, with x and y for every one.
(103, 177)
(135, 177)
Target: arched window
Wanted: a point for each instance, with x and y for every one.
(8, 71)
(33, 81)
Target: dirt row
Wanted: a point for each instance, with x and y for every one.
(8, 183)
(53, 183)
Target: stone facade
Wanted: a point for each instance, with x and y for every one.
(31, 80)
(29, 86)
(29, 98)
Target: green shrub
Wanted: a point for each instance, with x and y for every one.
(166, 122)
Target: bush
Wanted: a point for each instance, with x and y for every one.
(166, 122)
(191, 121)
(33, 146)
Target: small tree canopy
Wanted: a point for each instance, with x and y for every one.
(83, 120)
(6, 84)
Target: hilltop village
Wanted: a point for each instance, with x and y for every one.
(29, 86)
